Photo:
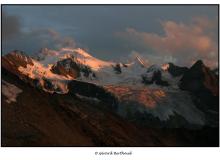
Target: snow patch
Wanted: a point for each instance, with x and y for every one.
(10, 91)
(88, 98)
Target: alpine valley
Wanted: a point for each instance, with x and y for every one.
(67, 97)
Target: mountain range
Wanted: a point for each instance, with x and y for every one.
(67, 97)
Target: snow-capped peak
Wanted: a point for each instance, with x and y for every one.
(77, 54)
(80, 52)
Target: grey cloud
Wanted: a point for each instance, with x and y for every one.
(60, 41)
(32, 41)
(10, 26)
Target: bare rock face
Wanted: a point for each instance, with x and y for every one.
(14, 60)
(200, 81)
(156, 78)
(117, 68)
(176, 70)
(70, 68)
(66, 67)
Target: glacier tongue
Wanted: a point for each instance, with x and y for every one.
(160, 102)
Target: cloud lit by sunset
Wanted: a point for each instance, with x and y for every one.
(194, 40)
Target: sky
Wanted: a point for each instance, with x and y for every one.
(180, 34)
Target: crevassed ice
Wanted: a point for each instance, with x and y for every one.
(160, 102)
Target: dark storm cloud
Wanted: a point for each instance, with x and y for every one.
(33, 40)
(96, 27)
(10, 26)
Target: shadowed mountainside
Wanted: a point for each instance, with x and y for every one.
(203, 84)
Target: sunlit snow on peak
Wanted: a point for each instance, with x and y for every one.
(165, 67)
